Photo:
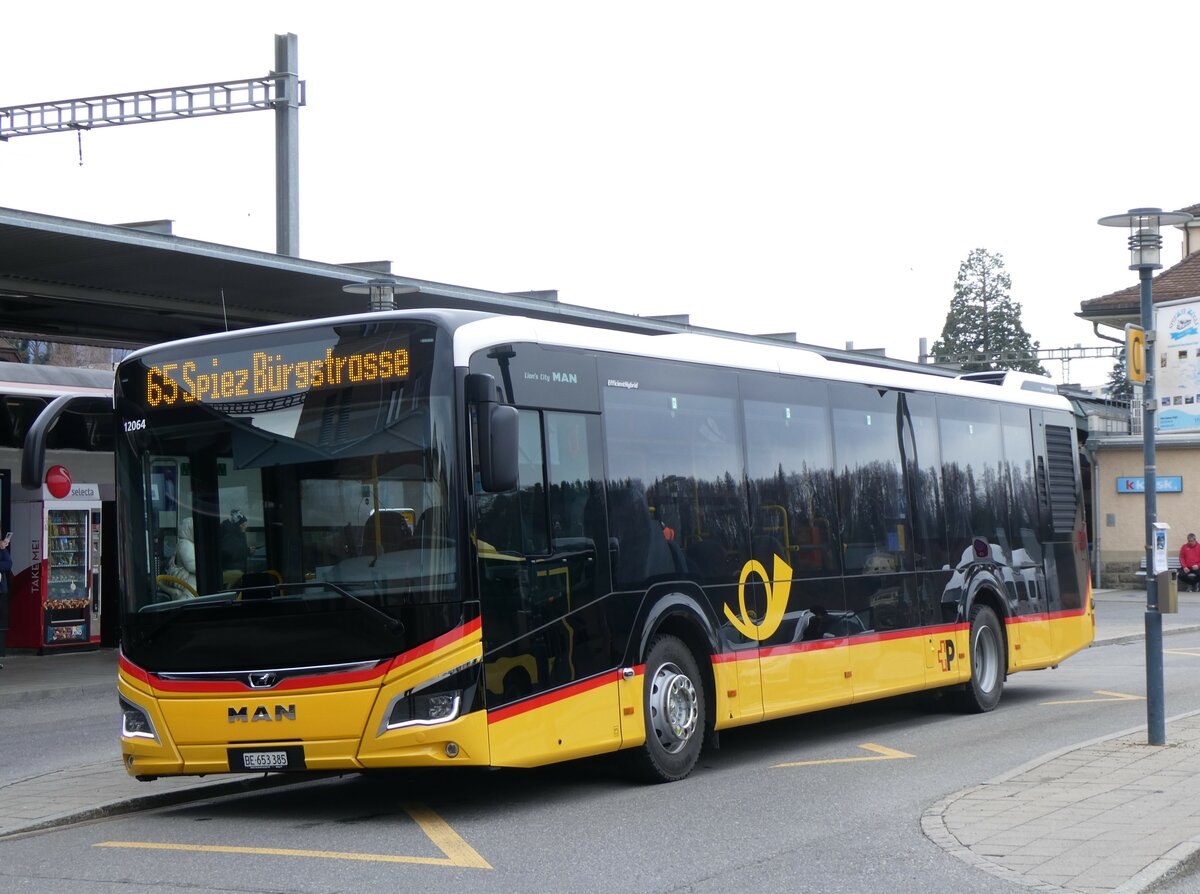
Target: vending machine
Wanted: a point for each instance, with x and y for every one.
(69, 568)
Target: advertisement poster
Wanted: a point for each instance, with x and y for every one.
(1177, 346)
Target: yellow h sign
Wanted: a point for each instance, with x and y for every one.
(1135, 354)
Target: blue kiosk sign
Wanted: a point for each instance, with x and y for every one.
(1163, 484)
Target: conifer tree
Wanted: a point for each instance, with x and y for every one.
(983, 329)
(1118, 386)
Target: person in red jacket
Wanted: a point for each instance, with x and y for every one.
(1189, 564)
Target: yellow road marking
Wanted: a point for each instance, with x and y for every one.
(1183, 652)
(458, 852)
(883, 754)
(1108, 697)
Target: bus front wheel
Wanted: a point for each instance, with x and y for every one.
(982, 693)
(674, 711)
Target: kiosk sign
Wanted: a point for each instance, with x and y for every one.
(1163, 484)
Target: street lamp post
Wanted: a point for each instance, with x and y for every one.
(1145, 250)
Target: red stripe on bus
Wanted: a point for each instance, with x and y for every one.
(812, 645)
(132, 669)
(1047, 616)
(369, 674)
(723, 657)
(558, 695)
(438, 642)
(218, 687)
(942, 629)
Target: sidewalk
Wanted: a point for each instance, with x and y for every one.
(96, 789)
(1112, 815)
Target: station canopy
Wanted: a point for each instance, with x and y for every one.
(127, 286)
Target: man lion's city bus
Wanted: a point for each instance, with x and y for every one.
(439, 537)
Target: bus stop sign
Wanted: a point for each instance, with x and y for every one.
(1135, 354)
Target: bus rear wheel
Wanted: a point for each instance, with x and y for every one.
(674, 711)
(982, 693)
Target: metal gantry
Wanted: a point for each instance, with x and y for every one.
(139, 107)
(281, 91)
(1063, 355)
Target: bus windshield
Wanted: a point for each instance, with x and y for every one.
(293, 499)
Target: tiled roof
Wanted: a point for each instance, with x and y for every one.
(1180, 281)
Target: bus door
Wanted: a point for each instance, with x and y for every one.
(540, 571)
(884, 618)
(1026, 575)
(795, 543)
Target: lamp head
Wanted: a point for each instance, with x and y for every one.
(1145, 239)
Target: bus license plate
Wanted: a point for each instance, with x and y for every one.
(265, 760)
(259, 759)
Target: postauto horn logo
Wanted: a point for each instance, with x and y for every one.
(778, 591)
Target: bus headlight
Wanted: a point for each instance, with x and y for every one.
(425, 710)
(435, 701)
(135, 722)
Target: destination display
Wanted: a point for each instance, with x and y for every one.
(261, 374)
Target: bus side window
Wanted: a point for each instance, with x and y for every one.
(873, 503)
(791, 477)
(972, 468)
(515, 521)
(578, 535)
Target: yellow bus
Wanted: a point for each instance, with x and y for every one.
(488, 540)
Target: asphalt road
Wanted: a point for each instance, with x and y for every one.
(828, 802)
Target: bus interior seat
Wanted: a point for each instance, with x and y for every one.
(263, 584)
(393, 531)
(431, 525)
(810, 624)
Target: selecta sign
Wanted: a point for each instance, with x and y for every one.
(59, 486)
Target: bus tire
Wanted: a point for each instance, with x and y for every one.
(982, 693)
(674, 711)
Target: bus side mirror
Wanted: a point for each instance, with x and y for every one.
(498, 447)
(497, 427)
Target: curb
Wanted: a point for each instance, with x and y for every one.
(166, 799)
(1125, 638)
(16, 699)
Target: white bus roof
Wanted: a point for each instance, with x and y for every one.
(688, 347)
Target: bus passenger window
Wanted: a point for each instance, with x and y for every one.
(515, 522)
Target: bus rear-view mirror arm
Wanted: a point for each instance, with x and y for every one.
(33, 451)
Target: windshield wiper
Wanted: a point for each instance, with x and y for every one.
(393, 625)
(273, 591)
(267, 592)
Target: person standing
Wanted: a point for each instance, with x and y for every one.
(1189, 564)
(5, 569)
(235, 549)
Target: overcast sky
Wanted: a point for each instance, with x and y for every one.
(766, 167)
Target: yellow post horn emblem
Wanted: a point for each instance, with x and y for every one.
(777, 599)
